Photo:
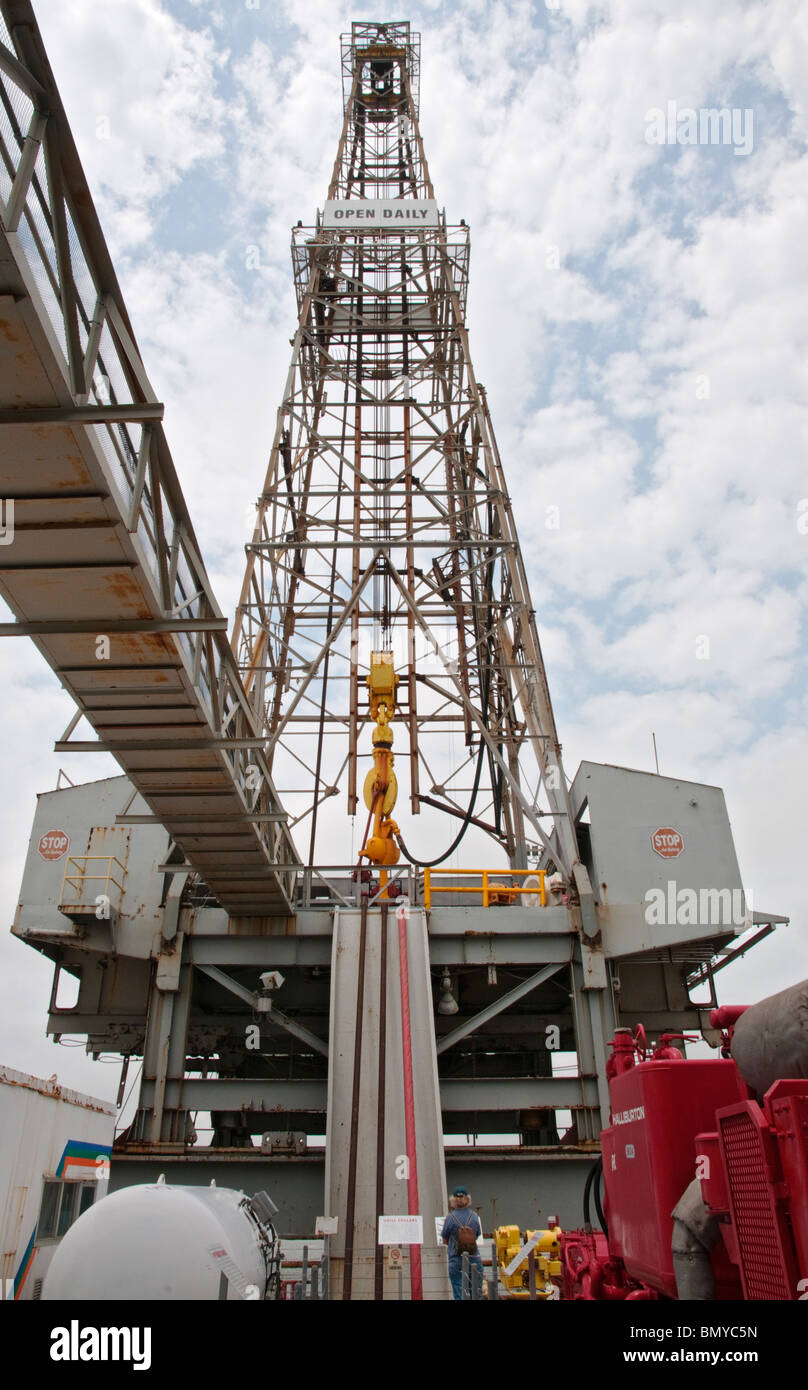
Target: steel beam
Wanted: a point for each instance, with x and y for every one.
(264, 818)
(274, 1015)
(470, 1025)
(402, 542)
(254, 1094)
(154, 745)
(488, 1095)
(262, 952)
(110, 625)
(18, 72)
(469, 1096)
(121, 414)
(499, 950)
(501, 1093)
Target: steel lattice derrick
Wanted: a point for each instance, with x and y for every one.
(385, 520)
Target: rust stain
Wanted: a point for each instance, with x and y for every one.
(138, 645)
(121, 587)
(53, 1090)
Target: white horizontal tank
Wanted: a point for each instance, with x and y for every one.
(157, 1241)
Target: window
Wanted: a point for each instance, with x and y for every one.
(86, 1197)
(63, 1201)
(49, 1210)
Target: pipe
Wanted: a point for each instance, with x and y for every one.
(587, 1193)
(378, 1290)
(770, 1039)
(695, 1232)
(350, 1205)
(596, 1194)
(727, 1015)
(416, 1279)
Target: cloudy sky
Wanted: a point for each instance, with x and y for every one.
(636, 314)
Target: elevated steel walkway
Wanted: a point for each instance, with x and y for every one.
(98, 558)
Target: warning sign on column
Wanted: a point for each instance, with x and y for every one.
(401, 1230)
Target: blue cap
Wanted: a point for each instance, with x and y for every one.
(460, 1192)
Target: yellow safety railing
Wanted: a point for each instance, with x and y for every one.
(493, 890)
(77, 875)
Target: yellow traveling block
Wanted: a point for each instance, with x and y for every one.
(381, 788)
(381, 682)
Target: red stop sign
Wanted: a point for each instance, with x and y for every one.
(54, 844)
(667, 842)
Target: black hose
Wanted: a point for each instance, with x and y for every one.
(596, 1191)
(430, 863)
(485, 693)
(587, 1194)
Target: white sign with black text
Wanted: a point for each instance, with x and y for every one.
(401, 1230)
(385, 214)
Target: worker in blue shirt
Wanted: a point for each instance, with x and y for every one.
(462, 1216)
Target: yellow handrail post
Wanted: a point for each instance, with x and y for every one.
(485, 888)
(427, 888)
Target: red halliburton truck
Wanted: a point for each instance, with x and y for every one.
(704, 1166)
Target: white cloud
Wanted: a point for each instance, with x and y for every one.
(140, 90)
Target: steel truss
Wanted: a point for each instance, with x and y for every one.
(104, 543)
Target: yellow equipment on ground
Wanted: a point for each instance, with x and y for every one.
(381, 787)
(547, 1262)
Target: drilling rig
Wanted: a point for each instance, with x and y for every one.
(297, 932)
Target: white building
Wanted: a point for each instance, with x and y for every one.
(54, 1163)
